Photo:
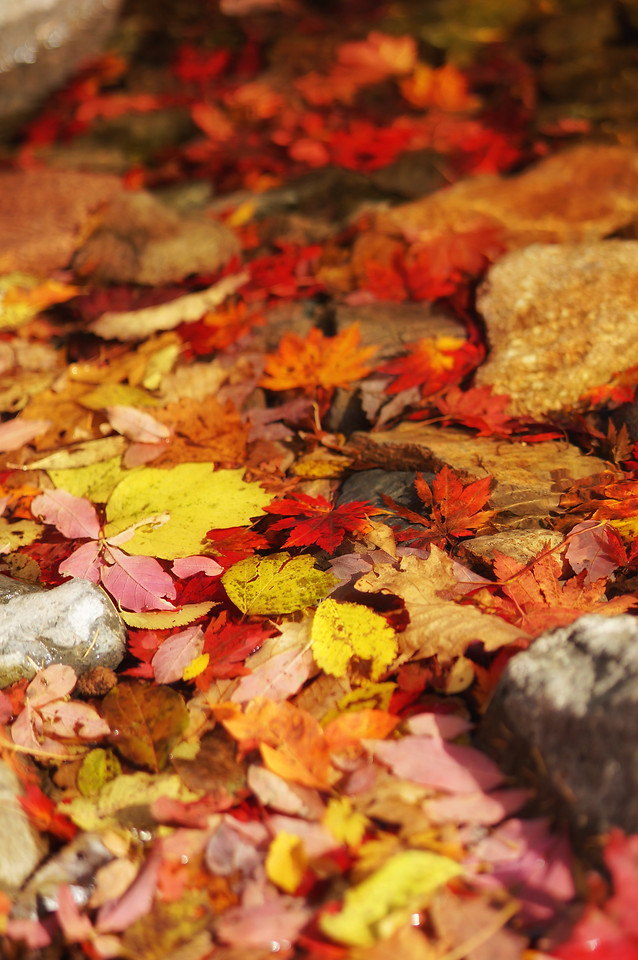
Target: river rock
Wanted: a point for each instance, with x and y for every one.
(564, 718)
(561, 320)
(75, 623)
(22, 847)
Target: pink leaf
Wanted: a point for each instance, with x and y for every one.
(189, 566)
(596, 548)
(176, 653)
(15, 433)
(135, 903)
(435, 763)
(484, 809)
(138, 583)
(272, 922)
(278, 678)
(51, 684)
(84, 563)
(136, 424)
(71, 720)
(447, 726)
(75, 925)
(73, 516)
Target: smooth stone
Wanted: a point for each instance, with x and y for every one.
(75, 623)
(561, 320)
(522, 545)
(564, 718)
(393, 327)
(23, 846)
(371, 485)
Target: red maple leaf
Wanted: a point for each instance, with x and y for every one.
(432, 363)
(437, 267)
(233, 544)
(43, 813)
(477, 408)
(316, 523)
(228, 644)
(454, 508)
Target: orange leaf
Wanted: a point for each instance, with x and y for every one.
(351, 728)
(291, 741)
(317, 361)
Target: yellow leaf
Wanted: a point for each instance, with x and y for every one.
(376, 908)
(112, 394)
(95, 481)
(196, 666)
(166, 619)
(286, 862)
(348, 638)
(197, 498)
(22, 297)
(345, 824)
(17, 533)
(276, 584)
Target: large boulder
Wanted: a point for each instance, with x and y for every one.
(564, 718)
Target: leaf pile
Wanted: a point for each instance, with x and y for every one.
(284, 761)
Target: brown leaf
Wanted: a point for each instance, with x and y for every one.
(145, 721)
(438, 628)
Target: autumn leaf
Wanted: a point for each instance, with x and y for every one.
(317, 361)
(432, 363)
(195, 496)
(444, 87)
(291, 741)
(276, 584)
(315, 522)
(455, 507)
(382, 903)
(476, 407)
(145, 721)
(350, 640)
(534, 597)
(227, 645)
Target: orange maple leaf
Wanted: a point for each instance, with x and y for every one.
(317, 361)
(533, 596)
(432, 363)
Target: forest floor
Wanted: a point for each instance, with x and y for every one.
(245, 343)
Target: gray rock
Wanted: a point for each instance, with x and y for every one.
(564, 717)
(74, 623)
(560, 321)
(22, 847)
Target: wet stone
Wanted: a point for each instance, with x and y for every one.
(23, 846)
(564, 719)
(75, 624)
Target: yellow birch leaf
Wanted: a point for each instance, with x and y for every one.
(286, 862)
(95, 481)
(348, 638)
(197, 498)
(276, 584)
(382, 903)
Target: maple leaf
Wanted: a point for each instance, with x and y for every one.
(455, 507)
(534, 598)
(432, 363)
(478, 408)
(443, 87)
(234, 544)
(227, 645)
(436, 268)
(317, 361)
(315, 522)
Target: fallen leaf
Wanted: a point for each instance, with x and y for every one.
(317, 361)
(351, 640)
(276, 584)
(145, 721)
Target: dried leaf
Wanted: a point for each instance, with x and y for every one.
(145, 721)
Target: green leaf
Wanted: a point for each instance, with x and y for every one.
(376, 908)
(145, 720)
(197, 498)
(276, 584)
